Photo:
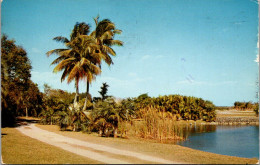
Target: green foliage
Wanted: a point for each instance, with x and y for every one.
(19, 95)
(183, 107)
(55, 102)
(105, 117)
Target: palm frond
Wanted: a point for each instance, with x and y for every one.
(64, 64)
(111, 42)
(79, 29)
(74, 73)
(107, 59)
(57, 60)
(61, 39)
(108, 50)
(117, 31)
(107, 35)
(66, 72)
(55, 51)
(103, 26)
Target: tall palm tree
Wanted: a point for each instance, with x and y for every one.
(70, 59)
(104, 37)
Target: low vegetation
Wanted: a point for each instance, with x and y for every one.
(143, 116)
(157, 125)
(245, 105)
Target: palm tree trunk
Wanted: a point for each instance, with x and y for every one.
(76, 99)
(26, 111)
(86, 100)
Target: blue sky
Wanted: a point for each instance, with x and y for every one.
(202, 48)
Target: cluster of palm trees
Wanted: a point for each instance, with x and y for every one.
(84, 53)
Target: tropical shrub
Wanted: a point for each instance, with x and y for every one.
(106, 117)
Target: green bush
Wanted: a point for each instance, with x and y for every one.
(183, 107)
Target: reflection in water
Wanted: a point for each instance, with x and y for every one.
(191, 129)
(242, 141)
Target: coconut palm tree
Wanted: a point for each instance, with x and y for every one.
(104, 37)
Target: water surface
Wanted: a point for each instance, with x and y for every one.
(241, 141)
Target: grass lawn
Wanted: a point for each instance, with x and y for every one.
(20, 149)
(167, 151)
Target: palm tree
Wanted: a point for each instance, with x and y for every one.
(104, 38)
(71, 59)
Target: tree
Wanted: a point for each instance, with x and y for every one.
(15, 79)
(104, 35)
(103, 91)
(104, 39)
(33, 100)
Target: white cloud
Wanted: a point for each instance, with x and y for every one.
(145, 57)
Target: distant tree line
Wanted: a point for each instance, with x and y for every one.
(244, 105)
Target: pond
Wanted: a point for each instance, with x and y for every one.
(241, 141)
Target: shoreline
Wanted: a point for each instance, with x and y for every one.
(237, 120)
(167, 151)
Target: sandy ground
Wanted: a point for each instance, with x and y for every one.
(236, 112)
(90, 150)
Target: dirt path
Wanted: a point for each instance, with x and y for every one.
(108, 155)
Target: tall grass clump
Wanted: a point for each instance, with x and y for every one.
(157, 125)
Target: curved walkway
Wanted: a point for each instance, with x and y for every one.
(108, 155)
